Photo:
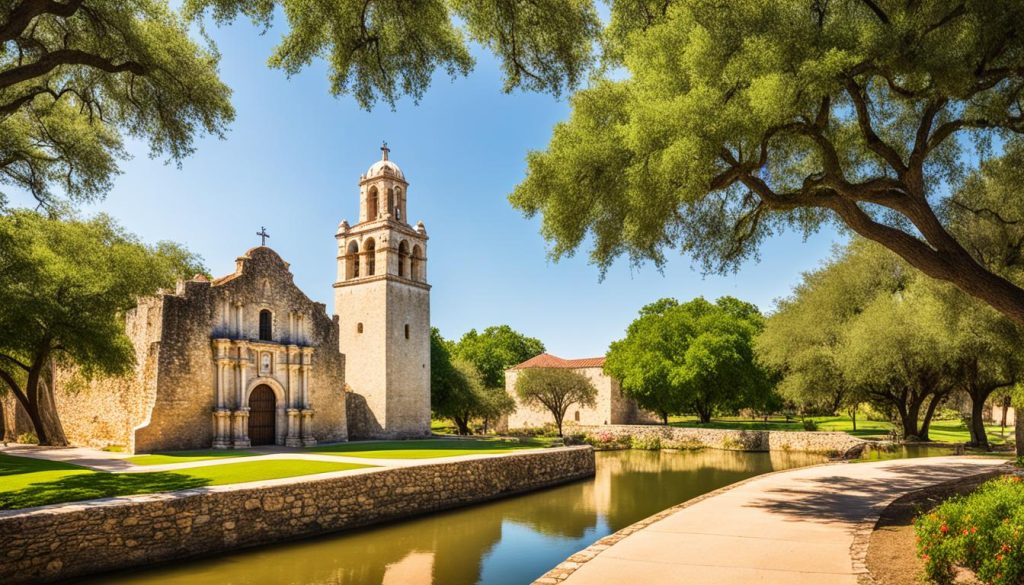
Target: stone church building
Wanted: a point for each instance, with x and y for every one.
(248, 359)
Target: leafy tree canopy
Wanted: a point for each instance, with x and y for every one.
(457, 389)
(719, 124)
(384, 49)
(65, 286)
(494, 350)
(690, 357)
(78, 76)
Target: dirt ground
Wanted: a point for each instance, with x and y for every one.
(892, 551)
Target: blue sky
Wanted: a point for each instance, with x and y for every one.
(292, 161)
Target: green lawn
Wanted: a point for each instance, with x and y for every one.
(948, 431)
(428, 448)
(187, 456)
(27, 482)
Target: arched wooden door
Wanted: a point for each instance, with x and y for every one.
(262, 416)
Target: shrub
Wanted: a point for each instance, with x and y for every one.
(648, 443)
(983, 531)
(605, 440)
(809, 424)
(28, 438)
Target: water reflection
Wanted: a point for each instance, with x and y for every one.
(510, 541)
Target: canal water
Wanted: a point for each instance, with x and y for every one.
(511, 541)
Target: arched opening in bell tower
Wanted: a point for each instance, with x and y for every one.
(353, 261)
(372, 204)
(403, 258)
(415, 264)
(371, 257)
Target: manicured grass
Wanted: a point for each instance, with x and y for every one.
(187, 456)
(429, 448)
(947, 431)
(27, 482)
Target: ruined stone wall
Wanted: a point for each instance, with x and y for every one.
(829, 443)
(105, 410)
(327, 387)
(65, 541)
(181, 417)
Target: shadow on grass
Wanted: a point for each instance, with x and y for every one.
(86, 486)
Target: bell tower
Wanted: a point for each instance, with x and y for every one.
(382, 301)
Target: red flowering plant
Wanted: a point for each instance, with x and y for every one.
(983, 531)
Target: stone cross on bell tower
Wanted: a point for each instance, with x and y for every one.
(382, 300)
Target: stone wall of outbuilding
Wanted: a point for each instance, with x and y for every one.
(52, 543)
(829, 443)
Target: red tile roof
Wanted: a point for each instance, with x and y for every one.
(546, 360)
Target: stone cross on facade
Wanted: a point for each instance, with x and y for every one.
(263, 235)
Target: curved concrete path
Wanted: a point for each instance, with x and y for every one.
(790, 528)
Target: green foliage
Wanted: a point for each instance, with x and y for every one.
(646, 443)
(555, 389)
(691, 357)
(457, 389)
(384, 49)
(715, 125)
(66, 286)
(809, 424)
(982, 532)
(494, 350)
(76, 77)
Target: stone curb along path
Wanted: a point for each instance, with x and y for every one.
(793, 527)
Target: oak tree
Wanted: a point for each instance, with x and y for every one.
(79, 76)
(65, 286)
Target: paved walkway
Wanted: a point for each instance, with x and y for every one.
(793, 528)
(117, 462)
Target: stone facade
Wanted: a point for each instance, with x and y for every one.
(611, 408)
(828, 443)
(203, 353)
(382, 300)
(54, 543)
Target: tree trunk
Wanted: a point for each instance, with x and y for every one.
(48, 408)
(1018, 425)
(1006, 407)
(462, 424)
(853, 417)
(979, 437)
(908, 418)
(703, 415)
(929, 413)
(37, 423)
(942, 258)
(664, 418)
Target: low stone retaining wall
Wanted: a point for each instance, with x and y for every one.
(51, 543)
(830, 443)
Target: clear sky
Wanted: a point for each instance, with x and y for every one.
(292, 161)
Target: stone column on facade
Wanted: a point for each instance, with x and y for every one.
(240, 434)
(307, 411)
(241, 439)
(221, 415)
(293, 439)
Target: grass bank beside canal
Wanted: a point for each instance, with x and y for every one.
(26, 482)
